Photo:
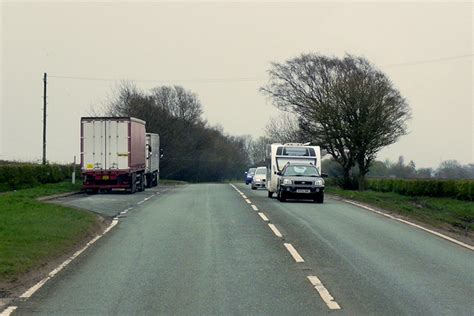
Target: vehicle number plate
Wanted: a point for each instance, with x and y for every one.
(302, 191)
(105, 177)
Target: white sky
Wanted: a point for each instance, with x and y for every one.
(187, 42)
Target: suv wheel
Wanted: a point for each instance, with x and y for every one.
(319, 198)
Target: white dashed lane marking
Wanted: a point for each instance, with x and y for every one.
(262, 215)
(323, 292)
(8, 311)
(293, 252)
(248, 201)
(275, 230)
(254, 207)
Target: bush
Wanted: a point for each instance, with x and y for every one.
(21, 176)
(460, 189)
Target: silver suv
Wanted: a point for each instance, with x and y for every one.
(301, 181)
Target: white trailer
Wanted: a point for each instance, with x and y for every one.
(112, 153)
(153, 155)
(278, 155)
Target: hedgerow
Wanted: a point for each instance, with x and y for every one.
(21, 176)
(459, 189)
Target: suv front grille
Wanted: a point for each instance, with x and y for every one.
(304, 182)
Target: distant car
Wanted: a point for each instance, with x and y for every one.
(300, 181)
(260, 178)
(249, 175)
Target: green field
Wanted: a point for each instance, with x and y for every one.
(33, 232)
(439, 212)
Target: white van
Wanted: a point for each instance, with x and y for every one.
(278, 155)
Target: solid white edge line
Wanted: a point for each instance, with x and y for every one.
(275, 230)
(8, 311)
(323, 292)
(262, 215)
(140, 202)
(460, 243)
(255, 208)
(293, 252)
(28, 293)
(248, 201)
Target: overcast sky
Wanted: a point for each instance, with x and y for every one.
(188, 42)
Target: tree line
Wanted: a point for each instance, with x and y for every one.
(193, 150)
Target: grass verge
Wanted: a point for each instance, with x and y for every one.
(438, 212)
(33, 232)
(172, 182)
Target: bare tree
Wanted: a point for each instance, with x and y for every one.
(258, 149)
(284, 128)
(179, 102)
(346, 105)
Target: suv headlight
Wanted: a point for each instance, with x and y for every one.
(319, 182)
(287, 181)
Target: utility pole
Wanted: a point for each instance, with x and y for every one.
(45, 81)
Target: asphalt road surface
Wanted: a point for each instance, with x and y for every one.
(203, 249)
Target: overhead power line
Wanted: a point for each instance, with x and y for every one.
(201, 80)
(429, 61)
(246, 79)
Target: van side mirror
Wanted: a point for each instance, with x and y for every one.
(324, 175)
(278, 173)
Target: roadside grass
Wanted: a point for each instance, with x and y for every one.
(172, 182)
(435, 211)
(33, 232)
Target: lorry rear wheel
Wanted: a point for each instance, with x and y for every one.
(148, 180)
(133, 183)
(270, 194)
(142, 183)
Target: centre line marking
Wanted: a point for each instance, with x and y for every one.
(323, 292)
(275, 230)
(8, 311)
(254, 207)
(248, 201)
(293, 252)
(263, 216)
(244, 196)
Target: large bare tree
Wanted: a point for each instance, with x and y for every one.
(284, 128)
(346, 105)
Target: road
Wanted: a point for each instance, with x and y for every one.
(202, 249)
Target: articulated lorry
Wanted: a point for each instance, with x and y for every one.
(153, 155)
(113, 154)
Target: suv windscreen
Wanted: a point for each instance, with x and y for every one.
(261, 171)
(301, 171)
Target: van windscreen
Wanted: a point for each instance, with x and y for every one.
(296, 151)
